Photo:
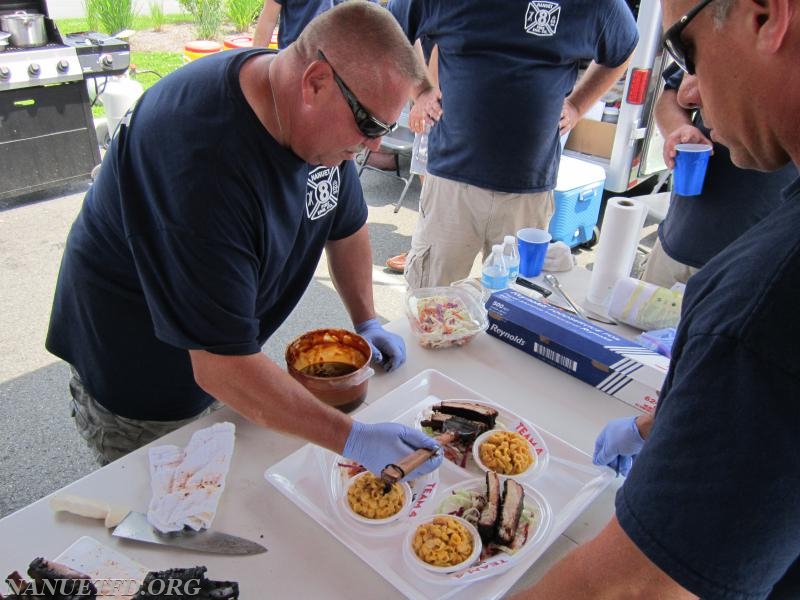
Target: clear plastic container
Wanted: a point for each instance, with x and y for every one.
(442, 317)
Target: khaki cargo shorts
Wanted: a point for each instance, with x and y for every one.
(458, 220)
(110, 436)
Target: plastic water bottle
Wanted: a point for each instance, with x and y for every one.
(511, 256)
(494, 276)
(419, 155)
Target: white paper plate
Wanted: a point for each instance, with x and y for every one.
(100, 562)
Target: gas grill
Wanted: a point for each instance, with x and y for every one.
(47, 135)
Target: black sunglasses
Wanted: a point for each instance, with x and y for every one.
(370, 126)
(674, 43)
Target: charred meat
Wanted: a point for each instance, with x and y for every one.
(51, 580)
(487, 523)
(191, 582)
(510, 511)
(472, 411)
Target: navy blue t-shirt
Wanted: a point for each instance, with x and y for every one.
(733, 200)
(504, 71)
(714, 497)
(296, 14)
(201, 232)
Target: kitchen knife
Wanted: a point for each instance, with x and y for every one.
(133, 525)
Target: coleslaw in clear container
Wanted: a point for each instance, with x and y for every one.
(442, 317)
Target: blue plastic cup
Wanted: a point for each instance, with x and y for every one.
(691, 162)
(532, 244)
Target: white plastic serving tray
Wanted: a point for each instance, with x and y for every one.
(310, 478)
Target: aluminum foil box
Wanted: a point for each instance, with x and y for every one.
(602, 358)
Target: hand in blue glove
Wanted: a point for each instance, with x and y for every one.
(376, 446)
(618, 444)
(388, 349)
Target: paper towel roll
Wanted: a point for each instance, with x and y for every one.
(616, 249)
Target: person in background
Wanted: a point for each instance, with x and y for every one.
(697, 228)
(711, 506)
(507, 73)
(421, 120)
(293, 15)
(190, 250)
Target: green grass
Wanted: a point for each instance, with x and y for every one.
(139, 22)
(149, 65)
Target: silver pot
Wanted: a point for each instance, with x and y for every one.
(26, 29)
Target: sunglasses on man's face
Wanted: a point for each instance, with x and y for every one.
(674, 44)
(367, 124)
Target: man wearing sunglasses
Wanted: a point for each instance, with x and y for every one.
(711, 507)
(209, 216)
(507, 74)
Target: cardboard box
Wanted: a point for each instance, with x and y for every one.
(602, 358)
(592, 137)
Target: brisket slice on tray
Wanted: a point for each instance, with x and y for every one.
(487, 522)
(468, 410)
(510, 511)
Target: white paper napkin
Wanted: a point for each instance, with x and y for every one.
(187, 483)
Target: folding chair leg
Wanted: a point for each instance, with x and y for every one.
(403, 195)
(364, 162)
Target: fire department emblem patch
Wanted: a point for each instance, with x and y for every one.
(541, 18)
(322, 191)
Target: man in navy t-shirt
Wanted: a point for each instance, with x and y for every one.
(507, 74)
(210, 213)
(711, 507)
(697, 228)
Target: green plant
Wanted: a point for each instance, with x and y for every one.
(207, 16)
(112, 15)
(157, 14)
(242, 13)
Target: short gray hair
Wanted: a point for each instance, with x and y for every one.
(362, 39)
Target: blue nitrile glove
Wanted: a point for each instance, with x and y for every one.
(618, 444)
(388, 349)
(381, 444)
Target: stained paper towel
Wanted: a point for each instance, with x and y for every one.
(616, 249)
(187, 483)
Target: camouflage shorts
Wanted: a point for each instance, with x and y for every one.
(110, 436)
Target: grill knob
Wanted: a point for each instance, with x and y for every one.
(63, 65)
(34, 69)
(107, 61)
(5, 72)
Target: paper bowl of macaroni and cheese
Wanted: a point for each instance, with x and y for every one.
(366, 500)
(507, 453)
(442, 544)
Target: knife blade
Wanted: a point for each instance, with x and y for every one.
(134, 526)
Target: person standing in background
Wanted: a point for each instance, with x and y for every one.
(697, 228)
(294, 15)
(507, 74)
